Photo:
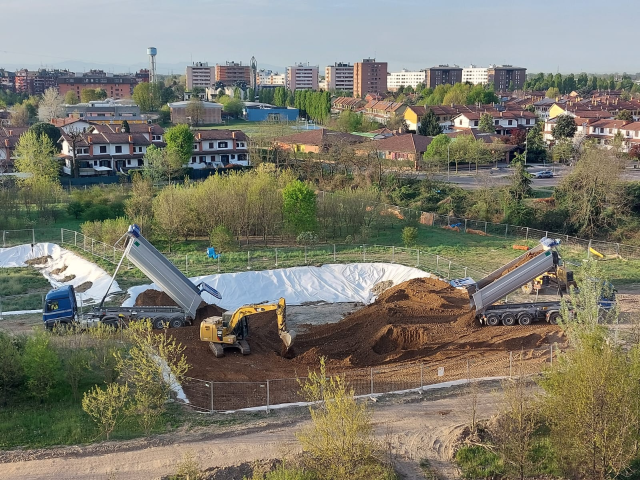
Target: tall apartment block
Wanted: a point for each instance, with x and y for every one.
(339, 76)
(369, 76)
(502, 77)
(232, 72)
(302, 77)
(443, 74)
(200, 75)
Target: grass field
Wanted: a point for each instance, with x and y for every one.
(21, 289)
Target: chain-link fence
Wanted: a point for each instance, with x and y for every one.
(206, 395)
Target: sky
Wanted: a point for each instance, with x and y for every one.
(541, 35)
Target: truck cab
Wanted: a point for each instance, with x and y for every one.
(60, 307)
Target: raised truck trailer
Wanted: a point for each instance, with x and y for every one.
(61, 306)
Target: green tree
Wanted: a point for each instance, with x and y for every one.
(624, 115)
(51, 131)
(299, 207)
(70, 98)
(125, 127)
(409, 236)
(20, 115)
(486, 124)
(562, 151)
(280, 97)
(222, 239)
(429, 125)
(195, 110)
(565, 127)
(437, 152)
(106, 406)
(143, 98)
(90, 95)
(520, 187)
(41, 365)
(179, 141)
(234, 107)
(11, 366)
(553, 92)
(137, 205)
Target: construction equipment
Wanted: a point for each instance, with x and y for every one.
(486, 294)
(155, 266)
(559, 278)
(231, 330)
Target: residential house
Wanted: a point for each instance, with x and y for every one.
(409, 147)
(340, 104)
(444, 114)
(105, 111)
(405, 78)
(200, 75)
(219, 149)
(503, 122)
(317, 141)
(506, 77)
(381, 112)
(9, 137)
(443, 74)
(116, 86)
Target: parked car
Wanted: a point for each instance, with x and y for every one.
(544, 174)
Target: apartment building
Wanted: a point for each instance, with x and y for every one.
(200, 75)
(36, 82)
(405, 78)
(369, 76)
(475, 75)
(270, 78)
(339, 76)
(443, 74)
(105, 111)
(302, 77)
(232, 72)
(116, 86)
(504, 77)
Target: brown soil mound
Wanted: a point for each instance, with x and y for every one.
(68, 278)
(58, 271)
(527, 256)
(156, 298)
(83, 287)
(38, 260)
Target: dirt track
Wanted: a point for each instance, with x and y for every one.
(415, 426)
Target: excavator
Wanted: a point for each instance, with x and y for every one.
(231, 330)
(559, 277)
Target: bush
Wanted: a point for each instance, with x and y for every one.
(97, 212)
(478, 462)
(41, 364)
(222, 239)
(11, 367)
(307, 238)
(409, 236)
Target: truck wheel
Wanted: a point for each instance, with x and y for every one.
(527, 288)
(508, 319)
(553, 318)
(110, 321)
(176, 322)
(493, 320)
(159, 323)
(525, 319)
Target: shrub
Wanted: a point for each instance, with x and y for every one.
(11, 368)
(222, 239)
(41, 364)
(307, 238)
(409, 236)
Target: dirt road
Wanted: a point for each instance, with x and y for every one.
(413, 426)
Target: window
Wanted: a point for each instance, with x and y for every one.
(52, 305)
(223, 144)
(241, 144)
(103, 149)
(242, 156)
(195, 146)
(528, 121)
(203, 159)
(233, 157)
(496, 122)
(510, 122)
(475, 123)
(193, 159)
(210, 144)
(118, 148)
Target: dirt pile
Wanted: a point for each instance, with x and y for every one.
(38, 260)
(156, 298)
(525, 258)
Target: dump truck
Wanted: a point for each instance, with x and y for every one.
(61, 308)
(486, 294)
(231, 330)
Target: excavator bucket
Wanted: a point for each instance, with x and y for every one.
(287, 338)
(285, 334)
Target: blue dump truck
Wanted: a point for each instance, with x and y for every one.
(61, 307)
(486, 294)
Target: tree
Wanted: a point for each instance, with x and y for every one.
(222, 239)
(486, 124)
(142, 97)
(409, 236)
(280, 97)
(41, 364)
(553, 93)
(234, 107)
(438, 150)
(299, 207)
(75, 136)
(429, 125)
(11, 371)
(179, 141)
(195, 110)
(70, 98)
(565, 127)
(20, 115)
(520, 187)
(124, 128)
(624, 115)
(563, 151)
(36, 156)
(106, 407)
(50, 106)
(91, 95)
(137, 205)
(161, 164)
(340, 437)
(51, 131)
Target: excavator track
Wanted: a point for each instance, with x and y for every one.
(217, 349)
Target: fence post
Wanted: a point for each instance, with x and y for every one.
(589, 250)
(114, 254)
(218, 263)
(421, 375)
(526, 235)
(437, 263)
(418, 256)
(186, 264)
(510, 362)
(485, 227)
(364, 253)
(276, 257)
(465, 272)
(449, 273)
(506, 230)
(33, 235)
(267, 396)
(617, 249)
(393, 254)
(211, 384)
(546, 234)
(248, 259)
(75, 240)
(92, 246)
(465, 225)
(334, 253)
(372, 381)
(305, 255)
(3, 244)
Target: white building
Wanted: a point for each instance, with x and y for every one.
(339, 76)
(200, 75)
(268, 77)
(475, 75)
(302, 77)
(405, 78)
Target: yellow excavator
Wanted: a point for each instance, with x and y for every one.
(231, 330)
(560, 278)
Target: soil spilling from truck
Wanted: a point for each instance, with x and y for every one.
(156, 298)
(421, 319)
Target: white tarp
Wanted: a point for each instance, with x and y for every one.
(83, 270)
(329, 283)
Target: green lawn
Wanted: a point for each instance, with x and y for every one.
(21, 289)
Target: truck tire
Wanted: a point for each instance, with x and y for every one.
(508, 319)
(111, 321)
(493, 320)
(176, 322)
(525, 319)
(159, 323)
(553, 318)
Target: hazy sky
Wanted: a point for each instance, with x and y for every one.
(542, 35)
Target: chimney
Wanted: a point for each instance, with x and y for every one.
(10, 133)
(6, 142)
(199, 135)
(130, 138)
(233, 134)
(89, 139)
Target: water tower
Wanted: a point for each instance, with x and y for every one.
(152, 52)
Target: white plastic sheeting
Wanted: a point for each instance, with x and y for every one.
(83, 270)
(328, 283)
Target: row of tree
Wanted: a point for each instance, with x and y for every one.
(581, 83)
